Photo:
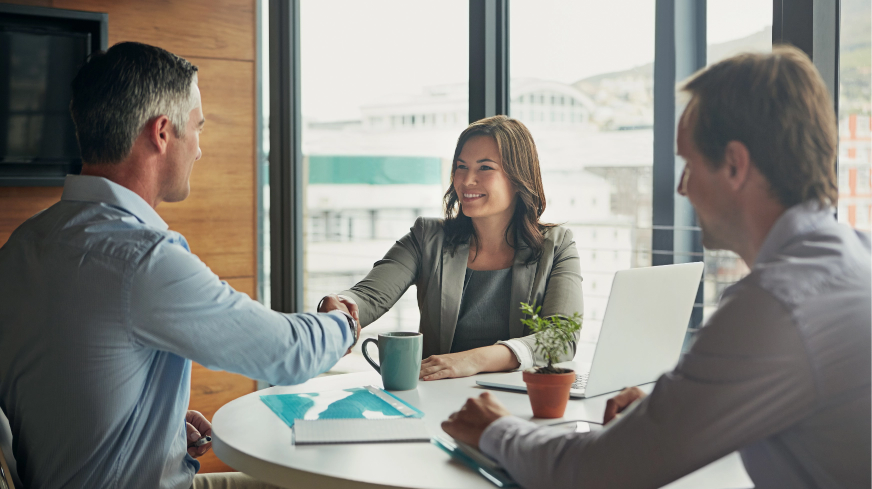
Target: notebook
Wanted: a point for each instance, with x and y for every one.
(326, 431)
(359, 402)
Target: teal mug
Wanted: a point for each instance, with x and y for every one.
(399, 356)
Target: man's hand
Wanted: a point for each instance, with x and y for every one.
(335, 302)
(450, 365)
(474, 417)
(619, 403)
(198, 427)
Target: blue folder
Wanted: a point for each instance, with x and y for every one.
(358, 402)
(475, 460)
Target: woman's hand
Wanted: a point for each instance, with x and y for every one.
(496, 358)
(450, 366)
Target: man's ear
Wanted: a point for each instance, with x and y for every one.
(159, 131)
(737, 164)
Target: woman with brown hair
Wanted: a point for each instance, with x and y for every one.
(475, 267)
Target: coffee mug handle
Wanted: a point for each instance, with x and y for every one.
(366, 355)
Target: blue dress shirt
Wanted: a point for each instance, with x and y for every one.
(102, 309)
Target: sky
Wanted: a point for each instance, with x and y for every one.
(355, 52)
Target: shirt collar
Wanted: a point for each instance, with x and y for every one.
(797, 220)
(85, 188)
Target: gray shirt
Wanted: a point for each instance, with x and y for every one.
(781, 372)
(484, 309)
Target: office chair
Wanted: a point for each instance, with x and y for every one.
(5, 475)
(8, 475)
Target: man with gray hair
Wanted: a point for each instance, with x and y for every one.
(103, 307)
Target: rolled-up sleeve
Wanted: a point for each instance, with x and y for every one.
(563, 297)
(178, 304)
(522, 351)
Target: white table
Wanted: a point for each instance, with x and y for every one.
(249, 437)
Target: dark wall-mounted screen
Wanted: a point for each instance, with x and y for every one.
(35, 123)
(39, 57)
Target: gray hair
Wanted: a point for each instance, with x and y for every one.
(117, 92)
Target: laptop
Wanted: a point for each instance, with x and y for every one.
(642, 332)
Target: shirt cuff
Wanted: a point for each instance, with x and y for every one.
(494, 436)
(522, 352)
(345, 324)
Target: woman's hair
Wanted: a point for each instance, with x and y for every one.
(521, 164)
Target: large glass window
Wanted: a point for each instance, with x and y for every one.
(384, 96)
(732, 27)
(582, 82)
(855, 97)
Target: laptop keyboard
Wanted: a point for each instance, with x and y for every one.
(580, 381)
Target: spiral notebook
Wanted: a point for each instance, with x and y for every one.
(330, 431)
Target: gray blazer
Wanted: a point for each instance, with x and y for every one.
(419, 258)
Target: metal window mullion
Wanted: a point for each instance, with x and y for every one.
(679, 51)
(488, 58)
(285, 157)
(813, 26)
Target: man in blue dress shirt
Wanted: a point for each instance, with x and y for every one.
(102, 307)
(781, 371)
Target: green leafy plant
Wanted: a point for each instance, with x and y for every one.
(554, 334)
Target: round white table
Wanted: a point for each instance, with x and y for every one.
(249, 437)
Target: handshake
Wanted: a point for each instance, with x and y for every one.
(347, 305)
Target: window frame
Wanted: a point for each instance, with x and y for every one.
(680, 49)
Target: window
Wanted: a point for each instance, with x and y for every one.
(733, 27)
(855, 93)
(365, 184)
(588, 103)
(601, 158)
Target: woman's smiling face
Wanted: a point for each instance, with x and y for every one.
(483, 188)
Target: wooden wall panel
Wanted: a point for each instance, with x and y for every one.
(18, 204)
(34, 3)
(210, 390)
(218, 219)
(221, 29)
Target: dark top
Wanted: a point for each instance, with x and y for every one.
(484, 309)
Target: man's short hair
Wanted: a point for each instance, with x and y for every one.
(118, 91)
(778, 106)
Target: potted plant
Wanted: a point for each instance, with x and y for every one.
(548, 385)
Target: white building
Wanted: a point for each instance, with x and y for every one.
(369, 179)
(855, 177)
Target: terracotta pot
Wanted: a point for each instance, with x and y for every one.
(549, 393)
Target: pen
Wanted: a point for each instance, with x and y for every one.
(203, 441)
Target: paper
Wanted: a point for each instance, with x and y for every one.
(357, 402)
(322, 431)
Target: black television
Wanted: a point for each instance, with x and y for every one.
(41, 49)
